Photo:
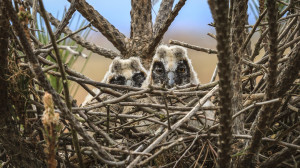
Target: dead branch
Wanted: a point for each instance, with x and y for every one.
(220, 15)
(263, 118)
(155, 126)
(162, 15)
(207, 50)
(99, 22)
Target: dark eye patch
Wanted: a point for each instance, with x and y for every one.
(118, 80)
(158, 72)
(182, 73)
(159, 68)
(138, 79)
(182, 67)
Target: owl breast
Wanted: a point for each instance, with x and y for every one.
(172, 67)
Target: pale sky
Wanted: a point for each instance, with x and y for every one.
(194, 16)
(191, 26)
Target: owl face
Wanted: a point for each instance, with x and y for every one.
(128, 72)
(171, 67)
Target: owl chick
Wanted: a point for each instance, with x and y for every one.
(128, 72)
(172, 67)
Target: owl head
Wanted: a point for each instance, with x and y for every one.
(128, 72)
(171, 66)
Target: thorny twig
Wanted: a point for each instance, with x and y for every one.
(169, 136)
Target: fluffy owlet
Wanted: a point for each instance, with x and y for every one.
(172, 67)
(128, 72)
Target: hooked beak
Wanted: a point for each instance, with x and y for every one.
(129, 82)
(171, 81)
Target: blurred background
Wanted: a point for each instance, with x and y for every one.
(190, 26)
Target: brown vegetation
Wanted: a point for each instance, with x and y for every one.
(257, 103)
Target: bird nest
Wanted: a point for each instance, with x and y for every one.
(157, 133)
(165, 134)
(255, 104)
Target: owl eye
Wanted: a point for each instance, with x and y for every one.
(159, 70)
(181, 70)
(118, 80)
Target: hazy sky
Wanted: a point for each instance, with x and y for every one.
(194, 16)
(191, 26)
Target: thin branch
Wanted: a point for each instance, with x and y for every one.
(69, 35)
(88, 45)
(33, 13)
(45, 83)
(279, 157)
(65, 20)
(97, 129)
(264, 116)
(69, 48)
(213, 77)
(64, 78)
(247, 108)
(253, 29)
(177, 161)
(212, 35)
(160, 151)
(163, 106)
(207, 50)
(175, 126)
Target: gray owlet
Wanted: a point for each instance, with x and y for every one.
(172, 67)
(128, 72)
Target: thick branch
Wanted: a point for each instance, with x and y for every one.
(219, 10)
(159, 35)
(141, 32)
(4, 27)
(99, 22)
(239, 20)
(164, 10)
(289, 73)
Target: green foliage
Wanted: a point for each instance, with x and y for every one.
(68, 59)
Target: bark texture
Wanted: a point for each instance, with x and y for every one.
(103, 25)
(220, 15)
(141, 32)
(265, 113)
(163, 13)
(239, 20)
(20, 153)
